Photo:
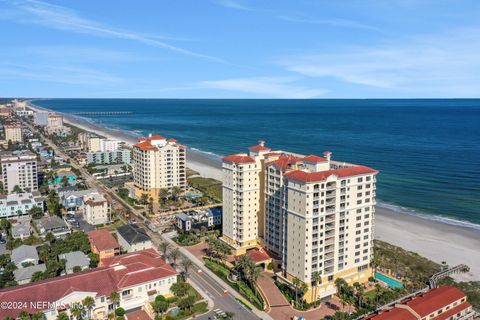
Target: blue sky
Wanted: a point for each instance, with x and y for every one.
(240, 49)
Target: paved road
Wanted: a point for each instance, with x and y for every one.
(215, 291)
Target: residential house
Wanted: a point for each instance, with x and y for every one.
(53, 225)
(24, 255)
(133, 238)
(21, 227)
(138, 277)
(75, 259)
(103, 243)
(187, 221)
(24, 275)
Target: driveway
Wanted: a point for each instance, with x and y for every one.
(280, 309)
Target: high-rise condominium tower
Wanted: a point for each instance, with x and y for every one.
(315, 214)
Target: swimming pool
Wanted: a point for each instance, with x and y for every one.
(390, 282)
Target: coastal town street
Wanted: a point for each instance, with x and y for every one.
(221, 294)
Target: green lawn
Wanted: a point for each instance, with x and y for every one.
(209, 187)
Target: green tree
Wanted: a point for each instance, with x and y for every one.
(160, 306)
(64, 181)
(186, 265)
(180, 288)
(76, 269)
(24, 315)
(230, 315)
(176, 191)
(174, 254)
(144, 199)
(77, 311)
(88, 303)
(115, 299)
(163, 196)
(186, 303)
(164, 249)
(317, 279)
(35, 212)
(17, 189)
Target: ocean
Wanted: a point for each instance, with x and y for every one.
(427, 150)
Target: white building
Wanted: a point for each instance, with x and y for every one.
(158, 163)
(133, 238)
(19, 169)
(40, 118)
(137, 277)
(18, 204)
(13, 133)
(96, 209)
(314, 213)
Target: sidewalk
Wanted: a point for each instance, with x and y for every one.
(261, 314)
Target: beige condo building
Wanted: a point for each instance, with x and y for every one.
(158, 163)
(13, 133)
(313, 213)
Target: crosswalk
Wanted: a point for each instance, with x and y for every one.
(220, 313)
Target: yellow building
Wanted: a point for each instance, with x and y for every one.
(314, 213)
(13, 133)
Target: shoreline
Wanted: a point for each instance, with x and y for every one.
(434, 239)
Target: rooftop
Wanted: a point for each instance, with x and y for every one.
(115, 274)
(305, 176)
(102, 239)
(239, 158)
(133, 233)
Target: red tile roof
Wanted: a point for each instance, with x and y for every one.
(313, 158)
(284, 162)
(447, 314)
(238, 158)
(172, 140)
(305, 176)
(145, 145)
(258, 256)
(434, 300)
(156, 137)
(116, 273)
(138, 315)
(258, 148)
(102, 240)
(272, 154)
(394, 314)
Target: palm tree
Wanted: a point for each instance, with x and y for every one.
(174, 254)
(144, 199)
(317, 278)
(186, 264)
(303, 290)
(164, 248)
(89, 303)
(359, 293)
(176, 192)
(163, 195)
(63, 316)
(77, 311)
(114, 299)
(296, 283)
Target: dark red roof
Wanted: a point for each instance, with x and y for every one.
(172, 140)
(284, 162)
(102, 239)
(305, 176)
(434, 300)
(138, 315)
(447, 314)
(314, 159)
(156, 137)
(258, 256)
(116, 273)
(394, 314)
(258, 148)
(238, 158)
(145, 145)
(272, 154)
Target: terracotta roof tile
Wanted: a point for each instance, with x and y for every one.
(258, 148)
(102, 239)
(314, 159)
(305, 176)
(238, 158)
(434, 299)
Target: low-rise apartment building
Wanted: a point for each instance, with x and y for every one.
(110, 157)
(18, 204)
(96, 209)
(137, 277)
(187, 221)
(443, 303)
(19, 169)
(158, 163)
(314, 213)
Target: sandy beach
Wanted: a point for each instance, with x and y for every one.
(435, 240)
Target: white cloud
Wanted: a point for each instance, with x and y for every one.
(61, 18)
(343, 23)
(447, 64)
(232, 4)
(271, 87)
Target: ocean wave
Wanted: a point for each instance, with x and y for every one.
(426, 216)
(207, 153)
